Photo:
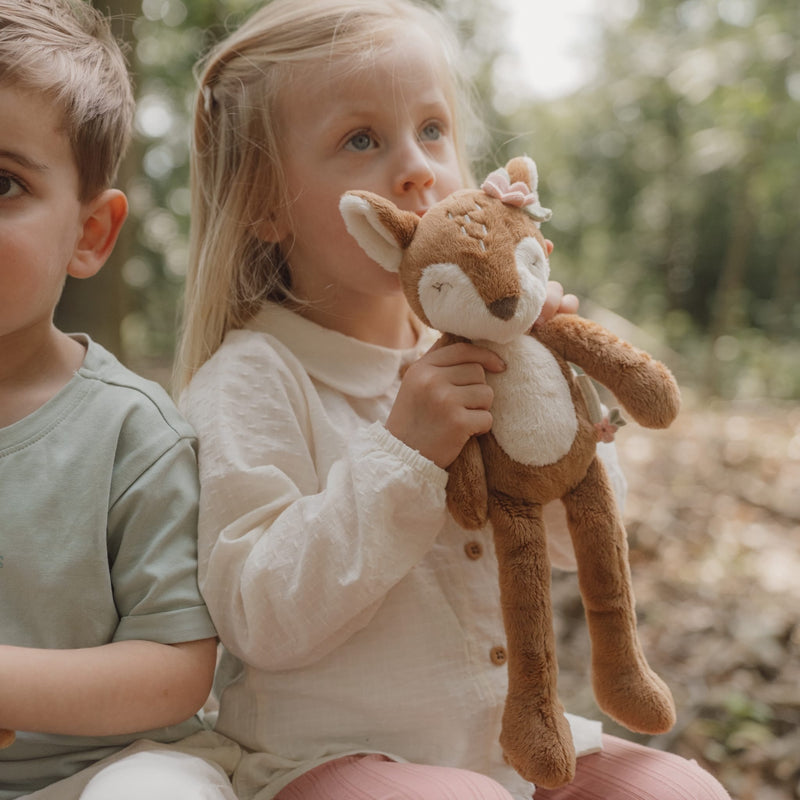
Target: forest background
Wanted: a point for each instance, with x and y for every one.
(674, 175)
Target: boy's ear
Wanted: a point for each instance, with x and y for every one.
(103, 218)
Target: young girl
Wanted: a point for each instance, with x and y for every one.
(364, 641)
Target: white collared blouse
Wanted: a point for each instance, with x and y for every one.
(356, 615)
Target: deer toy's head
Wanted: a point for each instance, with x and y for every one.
(476, 265)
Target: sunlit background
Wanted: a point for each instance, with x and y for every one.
(552, 47)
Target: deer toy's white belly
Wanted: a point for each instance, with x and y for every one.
(534, 416)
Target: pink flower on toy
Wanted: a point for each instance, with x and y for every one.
(499, 185)
(608, 426)
(605, 430)
(518, 194)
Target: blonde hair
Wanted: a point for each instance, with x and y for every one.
(236, 174)
(65, 49)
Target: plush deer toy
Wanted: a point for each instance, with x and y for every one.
(476, 268)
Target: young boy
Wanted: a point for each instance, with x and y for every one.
(104, 639)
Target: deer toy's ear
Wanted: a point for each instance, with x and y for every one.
(523, 168)
(381, 229)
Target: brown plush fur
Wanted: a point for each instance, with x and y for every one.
(6, 738)
(472, 246)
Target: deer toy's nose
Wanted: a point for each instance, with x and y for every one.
(505, 307)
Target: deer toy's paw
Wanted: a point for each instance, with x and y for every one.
(638, 699)
(539, 747)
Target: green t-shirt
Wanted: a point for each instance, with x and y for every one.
(98, 540)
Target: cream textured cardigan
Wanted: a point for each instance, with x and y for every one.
(356, 615)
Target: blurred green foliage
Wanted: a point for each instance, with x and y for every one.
(675, 179)
(674, 175)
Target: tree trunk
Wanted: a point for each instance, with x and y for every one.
(727, 309)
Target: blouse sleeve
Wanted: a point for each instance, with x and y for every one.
(304, 527)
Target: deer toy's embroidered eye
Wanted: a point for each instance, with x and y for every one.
(531, 257)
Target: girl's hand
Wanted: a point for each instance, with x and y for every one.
(557, 303)
(444, 399)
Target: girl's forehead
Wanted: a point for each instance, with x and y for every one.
(402, 61)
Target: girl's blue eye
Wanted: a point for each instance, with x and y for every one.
(431, 132)
(360, 141)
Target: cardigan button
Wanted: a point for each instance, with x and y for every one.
(499, 656)
(474, 550)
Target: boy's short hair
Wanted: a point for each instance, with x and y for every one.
(65, 49)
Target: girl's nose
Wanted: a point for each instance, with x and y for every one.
(415, 170)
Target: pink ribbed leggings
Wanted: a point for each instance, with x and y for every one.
(621, 771)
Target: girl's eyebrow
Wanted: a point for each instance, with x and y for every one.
(24, 161)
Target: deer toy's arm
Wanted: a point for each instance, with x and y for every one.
(644, 386)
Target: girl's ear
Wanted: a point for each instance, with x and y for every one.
(273, 228)
(103, 218)
(381, 229)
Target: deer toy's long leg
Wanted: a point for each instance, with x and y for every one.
(535, 735)
(625, 686)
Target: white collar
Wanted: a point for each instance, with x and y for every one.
(346, 364)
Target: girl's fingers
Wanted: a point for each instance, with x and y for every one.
(480, 422)
(475, 396)
(557, 303)
(475, 421)
(465, 374)
(569, 304)
(555, 294)
(464, 353)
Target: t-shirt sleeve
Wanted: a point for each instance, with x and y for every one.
(152, 532)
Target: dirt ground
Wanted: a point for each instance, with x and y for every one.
(713, 520)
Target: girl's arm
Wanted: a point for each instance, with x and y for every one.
(309, 515)
(293, 564)
(118, 688)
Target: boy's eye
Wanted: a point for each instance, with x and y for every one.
(9, 187)
(360, 141)
(431, 131)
